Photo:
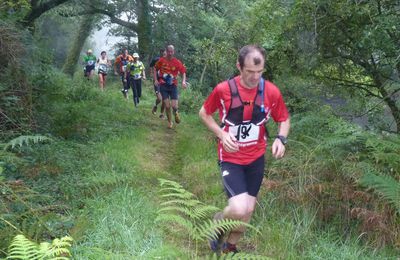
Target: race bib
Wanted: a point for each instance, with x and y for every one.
(124, 68)
(136, 76)
(245, 133)
(103, 67)
(90, 62)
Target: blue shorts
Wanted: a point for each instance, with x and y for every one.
(89, 68)
(169, 91)
(238, 179)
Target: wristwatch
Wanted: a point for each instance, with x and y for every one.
(283, 139)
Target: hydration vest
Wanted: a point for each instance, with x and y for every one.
(136, 69)
(234, 119)
(124, 62)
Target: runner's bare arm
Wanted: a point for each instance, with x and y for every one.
(228, 141)
(143, 74)
(155, 75)
(184, 80)
(278, 149)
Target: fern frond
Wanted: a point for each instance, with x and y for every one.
(186, 203)
(178, 195)
(23, 249)
(183, 210)
(207, 229)
(174, 189)
(26, 140)
(387, 186)
(164, 182)
(203, 211)
(176, 219)
(57, 248)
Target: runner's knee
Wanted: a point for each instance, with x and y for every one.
(237, 211)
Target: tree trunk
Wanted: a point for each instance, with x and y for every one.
(394, 109)
(82, 34)
(389, 100)
(144, 29)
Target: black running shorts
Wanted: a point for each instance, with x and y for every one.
(169, 91)
(238, 179)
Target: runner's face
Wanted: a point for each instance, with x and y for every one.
(170, 52)
(125, 53)
(251, 73)
(103, 55)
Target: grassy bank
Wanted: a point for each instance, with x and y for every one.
(99, 176)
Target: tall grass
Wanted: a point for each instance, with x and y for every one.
(306, 197)
(102, 168)
(123, 224)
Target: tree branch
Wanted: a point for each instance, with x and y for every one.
(38, 10)
(113, 18)
(359, 85)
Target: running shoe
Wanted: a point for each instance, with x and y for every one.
(154, 110)
(162, 116)
(124, 93)
(177, 117)
(228, 248)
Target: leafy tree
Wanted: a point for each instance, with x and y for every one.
(138, 12)
(351, 44)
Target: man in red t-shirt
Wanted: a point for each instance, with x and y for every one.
(244, 103)
(169, 68)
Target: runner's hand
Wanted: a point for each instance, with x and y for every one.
(144, 78)
(115, 73)
(229, 142)
(184, 84)
(278, 149)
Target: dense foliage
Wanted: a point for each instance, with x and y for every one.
(65, 166)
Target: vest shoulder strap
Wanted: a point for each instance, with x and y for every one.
(236, 101)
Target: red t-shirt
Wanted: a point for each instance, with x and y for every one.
(220, 99)
(172, 67)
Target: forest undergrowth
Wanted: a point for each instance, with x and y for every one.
(97, 181)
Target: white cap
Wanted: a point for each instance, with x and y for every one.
(135, 55)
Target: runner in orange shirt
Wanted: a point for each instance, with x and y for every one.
(121, 61)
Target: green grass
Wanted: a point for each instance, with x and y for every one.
(103, 176)
(123, 222)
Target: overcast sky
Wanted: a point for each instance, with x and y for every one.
(103, 42)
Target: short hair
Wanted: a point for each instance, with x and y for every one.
(246, 50)
(162, 51)
(170, 46)
(102, 52)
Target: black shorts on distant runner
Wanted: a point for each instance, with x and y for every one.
(238, 179)
(169, 91)
(89, 68)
